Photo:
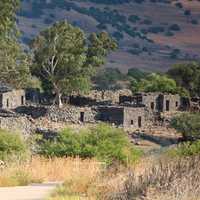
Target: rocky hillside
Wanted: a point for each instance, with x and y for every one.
(152, 34)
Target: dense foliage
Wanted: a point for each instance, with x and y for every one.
(185, 149)
(14, 62)
(187, 75)
(106, 143)
(10, 144)
(8, 9)
(108, 79)
(188, 124)
(157, 83)
(137, 74)
(64, 58)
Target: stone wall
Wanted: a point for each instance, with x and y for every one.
(12, 99)
(151, 101)
(137, 117)
(161, 102)
(17, 124)
(126, 116)
(72, 114)
(171, 102)
(108, 95)
(111, 114)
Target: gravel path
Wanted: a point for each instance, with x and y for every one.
(32, 192)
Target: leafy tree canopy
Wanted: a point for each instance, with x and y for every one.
(66, 60)
(108, 78)
(187, 124)
(8, 10)
(187, 76)
(157, 83)
(137, 73)
(14, 63)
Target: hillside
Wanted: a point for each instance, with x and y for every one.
(152, 34)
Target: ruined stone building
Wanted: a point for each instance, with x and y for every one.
(127, 110)
(138, 111)
(11, 98)
(126, 116)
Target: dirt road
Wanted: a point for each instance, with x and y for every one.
(32, 192)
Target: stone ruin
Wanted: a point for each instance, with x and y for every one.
(122, 108)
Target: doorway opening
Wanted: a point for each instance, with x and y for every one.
(82, 116)
(167, 105)
(139, 121)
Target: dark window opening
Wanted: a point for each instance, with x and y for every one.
(22, 100)
(132, 122)
(152, 105)
(167, 105)
(139, 122)
(82, 116)
(7, 103)
(176, 103)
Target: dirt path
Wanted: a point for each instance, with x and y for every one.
(32, 192)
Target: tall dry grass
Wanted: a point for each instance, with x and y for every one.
(169, 179)
(40, 169)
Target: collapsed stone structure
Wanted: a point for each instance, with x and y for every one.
(122, 108)
(127, 110)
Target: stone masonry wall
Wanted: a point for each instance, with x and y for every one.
(174, 102)
(71, 114)
(17, 124)
(150, 98)
(108, 95)
(136, 117)
(12, 99)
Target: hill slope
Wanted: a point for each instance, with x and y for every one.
(152, 34)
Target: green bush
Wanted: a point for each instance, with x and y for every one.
(10, 145)
(103, 142)
(186, 149)
(188, 124)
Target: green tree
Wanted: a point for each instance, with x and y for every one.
(187, 124)
(157, 83)
(64, 59)
(137, 73)
(187, 75)
(108, 78)
(8, 10)
(14, 62)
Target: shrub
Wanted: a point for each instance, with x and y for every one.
(156, 29)
(118, 35)
(186, 149)
(10, 145)
(169, 33)
(106, 143)
(187, 12)
(179, 5)
(147, 22)
(174, 27)
(175, 53)
(187, 124)
(134, 18)
(194, 21)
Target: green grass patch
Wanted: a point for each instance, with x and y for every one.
(11, 144)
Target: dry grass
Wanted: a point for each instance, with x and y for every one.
(40, 169)
(175, 179)
(160, 179)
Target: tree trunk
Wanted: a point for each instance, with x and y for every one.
(58, 99)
